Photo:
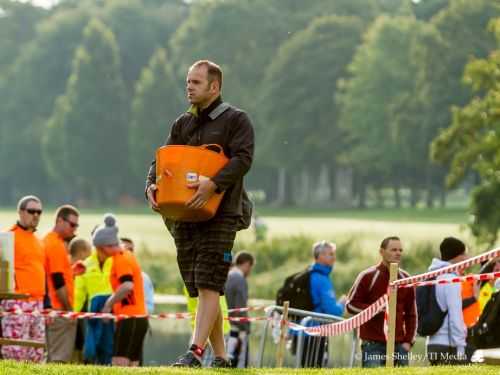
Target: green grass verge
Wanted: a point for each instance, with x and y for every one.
(426, 215)
(11, 368)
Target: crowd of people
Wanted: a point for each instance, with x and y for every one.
(66, 273)
(457, 306)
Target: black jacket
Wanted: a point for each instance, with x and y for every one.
(229, 127)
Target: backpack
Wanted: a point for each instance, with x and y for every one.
(296, 290)
(485, 333)
(430, 315)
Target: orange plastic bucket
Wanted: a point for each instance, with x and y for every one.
(178, 165)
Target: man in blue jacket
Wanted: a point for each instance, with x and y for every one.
(323, 297)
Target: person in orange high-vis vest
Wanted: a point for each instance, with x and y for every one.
(61, 332)
(470, 304)
(29, 278)
(127, 298)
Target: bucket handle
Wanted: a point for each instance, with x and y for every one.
(219, 147)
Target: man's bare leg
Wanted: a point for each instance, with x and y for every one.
(206, 315)
(217, 337)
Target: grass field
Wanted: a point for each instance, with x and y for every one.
(11, 368)
(368, 226)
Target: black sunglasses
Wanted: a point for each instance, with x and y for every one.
(33, 211)
(72, 225)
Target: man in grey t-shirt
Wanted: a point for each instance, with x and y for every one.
(236, 291)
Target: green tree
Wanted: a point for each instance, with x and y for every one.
(373, 102)
(472, 141)
(18, 23)
(226, 32)
(154, 108)
(426, 9)
(90, 118)
(298, 114)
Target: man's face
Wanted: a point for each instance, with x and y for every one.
(496, 267)
(199, 91)
(246, 268)
(30, 216)
(127, 245)
(327, 257)
(68, 226)
(393, 252)
(110, 250)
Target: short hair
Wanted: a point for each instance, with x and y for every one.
(320, 246)
(126, 239)
(65, 211)
(78, 244)
(23, 202)
(385, 241)
(243, 257)
(214, 71)
(451, 247)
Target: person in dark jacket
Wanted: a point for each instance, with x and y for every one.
(370, 285)
(204, 249)
(237, 297)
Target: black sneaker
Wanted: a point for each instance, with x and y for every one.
(188, 359)
(220, 362)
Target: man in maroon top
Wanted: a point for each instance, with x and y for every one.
(370, 285)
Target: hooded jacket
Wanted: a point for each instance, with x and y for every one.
(322, 291)
(449, 298)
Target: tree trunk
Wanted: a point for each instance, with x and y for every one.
(281, 188)
(414, 196)
(442, 197)
(397, 196)
(332, 174)
(379, 198)
(429, 202)
(361, 190)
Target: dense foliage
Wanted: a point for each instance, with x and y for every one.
(346, 96)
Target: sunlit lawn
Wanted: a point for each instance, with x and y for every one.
(11, 368)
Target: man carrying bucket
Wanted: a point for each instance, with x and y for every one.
(204, 248)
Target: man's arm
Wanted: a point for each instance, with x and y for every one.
(123, 290)
(241, 148)
(80, 293)
(357, 297)
(329, 304)
(61, 291)
(237, 297)
(410, 317)
(457, 328)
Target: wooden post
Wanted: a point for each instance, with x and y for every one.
(4, 276)
(391, 334)
(284, 328)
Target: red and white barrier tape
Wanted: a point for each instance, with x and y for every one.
(451, 268)
(98, 315)
(242, 309)
(339, 328)
(453, 280)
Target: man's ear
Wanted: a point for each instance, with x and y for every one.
(214, 86)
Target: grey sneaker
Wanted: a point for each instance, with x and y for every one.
(188, 359)
(220, 362)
